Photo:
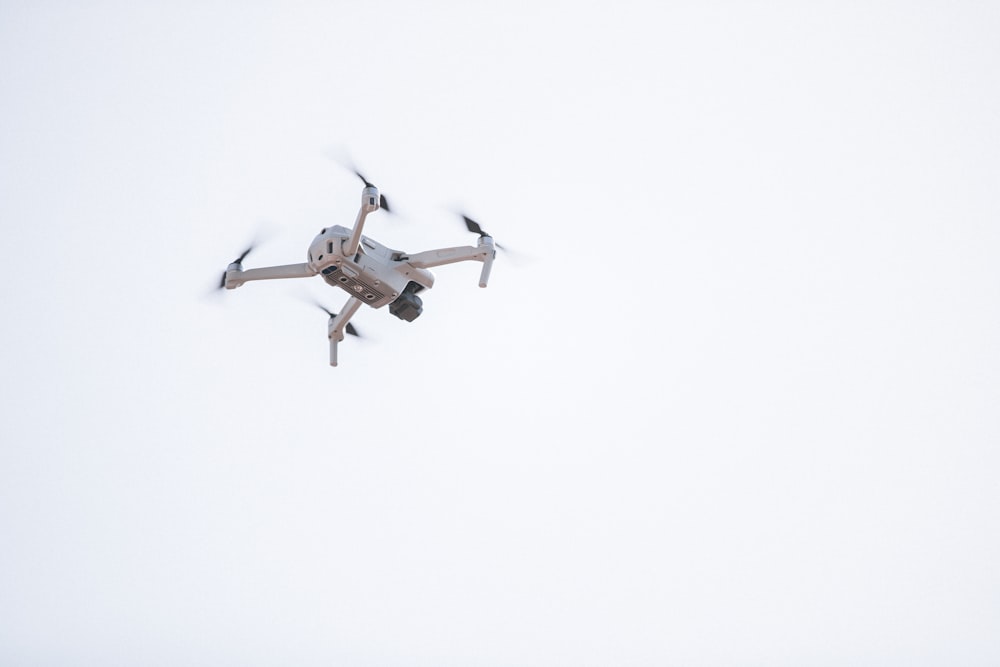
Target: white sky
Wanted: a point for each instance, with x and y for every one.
(735, 403)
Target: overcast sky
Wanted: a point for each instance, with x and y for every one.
(730, 399)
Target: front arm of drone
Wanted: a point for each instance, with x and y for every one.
(236, 275)
(484, 252)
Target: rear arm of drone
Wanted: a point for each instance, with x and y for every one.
(483, 252)
(335, 329)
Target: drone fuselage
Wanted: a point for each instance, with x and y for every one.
(374, 274)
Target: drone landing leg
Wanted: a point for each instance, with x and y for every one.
(484, 275)
(335, 330)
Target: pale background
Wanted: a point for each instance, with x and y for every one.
(732, 401)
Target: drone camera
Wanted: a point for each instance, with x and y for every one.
(408, 305)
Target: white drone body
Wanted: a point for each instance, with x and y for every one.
(371, 273)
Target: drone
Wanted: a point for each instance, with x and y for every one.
(372, 274)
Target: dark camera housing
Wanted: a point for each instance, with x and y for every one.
(408, 305)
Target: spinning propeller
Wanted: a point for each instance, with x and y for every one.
(350, 327)
(238, 260)
(341, 157)
(382, 201)
(476, 228)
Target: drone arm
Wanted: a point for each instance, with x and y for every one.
(484, 252)
(431, 258)
(335, 329)
(236, 275)
(369, 202)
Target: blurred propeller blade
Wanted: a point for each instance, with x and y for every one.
(238, 260)
(476, 228)
(382, 201)
(347, 163)
(350, 327)
(473, 226)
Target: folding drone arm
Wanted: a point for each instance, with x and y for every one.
(370, 202)
(236, 276)
(483, 252)
(337, 324)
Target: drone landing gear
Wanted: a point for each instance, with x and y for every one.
(337, 324)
